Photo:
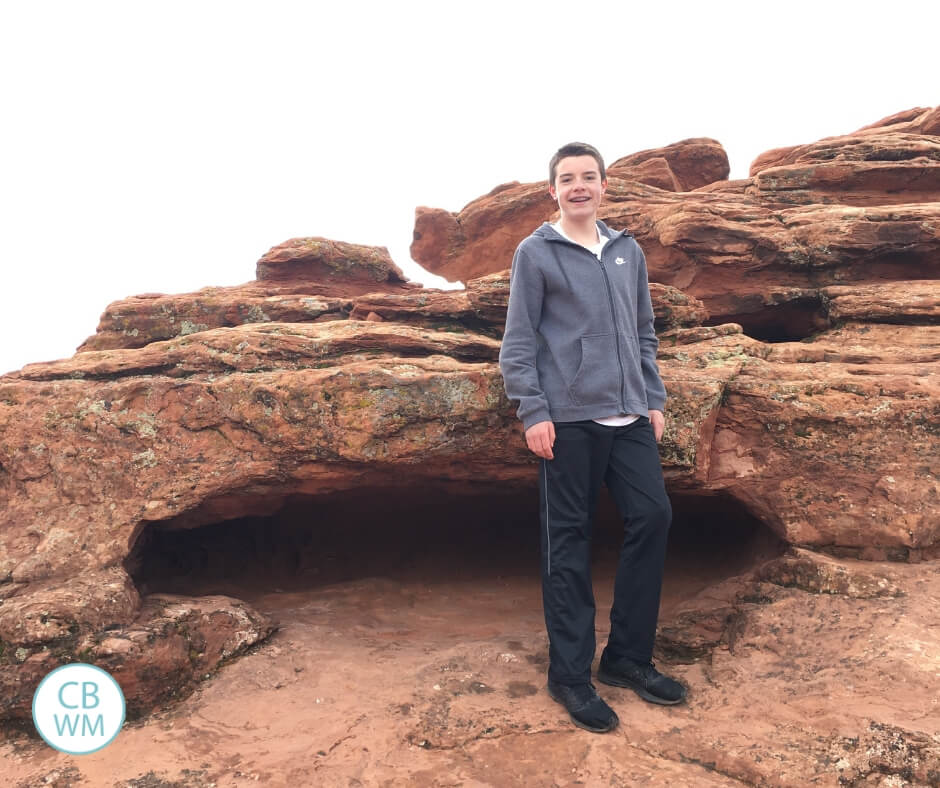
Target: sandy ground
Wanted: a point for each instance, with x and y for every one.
(433, 675)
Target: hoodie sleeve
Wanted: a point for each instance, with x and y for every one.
(655, 390)
(520, 341)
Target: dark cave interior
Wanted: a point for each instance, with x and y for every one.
(428, 535)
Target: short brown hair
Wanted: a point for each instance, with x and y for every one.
(574, 149)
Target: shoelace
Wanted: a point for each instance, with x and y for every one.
(584, 694)
(650, 670)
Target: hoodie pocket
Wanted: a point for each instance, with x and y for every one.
(598, 376)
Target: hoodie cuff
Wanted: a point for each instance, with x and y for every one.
(655, 403)
(535, 417)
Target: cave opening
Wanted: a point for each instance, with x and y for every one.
(433, 537)
(791, 321)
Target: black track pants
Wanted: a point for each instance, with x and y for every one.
(627, 460)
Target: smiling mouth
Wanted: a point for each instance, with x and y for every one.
(579, 199)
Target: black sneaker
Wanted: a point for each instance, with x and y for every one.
(586, 707)
(643, 679)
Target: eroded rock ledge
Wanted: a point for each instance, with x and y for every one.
(331, 373)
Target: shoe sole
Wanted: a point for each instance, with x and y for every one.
(581, 724)
(644, 693)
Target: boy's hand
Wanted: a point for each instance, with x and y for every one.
(540, 438)
(658, 421)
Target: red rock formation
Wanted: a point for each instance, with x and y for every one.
(654, 171)
(693, 163)
(301, 280)
(481, 238)
(233, 421)
(860, 208)
(895, 135)
(904, 116)
(764, 267)
(170, 644)
(489, 225)
(329, 263)
(898, 302)
(481, 306)
(353, 381)
(881, 166)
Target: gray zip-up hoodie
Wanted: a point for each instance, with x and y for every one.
(579, 341)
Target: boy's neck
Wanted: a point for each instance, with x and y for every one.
(583, 231)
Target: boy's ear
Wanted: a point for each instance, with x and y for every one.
(551, 191)
(603, 185)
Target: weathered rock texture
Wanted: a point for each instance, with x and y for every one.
(331, 375)
(903, 137)
(815, 672)
(862, 208)
(692, 163)
(301, 280)
(481, 238)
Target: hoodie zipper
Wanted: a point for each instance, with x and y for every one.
(613, 318)
(610, 300)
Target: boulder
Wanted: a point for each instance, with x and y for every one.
(693, 163)
(329, 264)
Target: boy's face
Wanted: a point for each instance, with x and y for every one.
(578, 187)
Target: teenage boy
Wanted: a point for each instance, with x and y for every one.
(579, 354)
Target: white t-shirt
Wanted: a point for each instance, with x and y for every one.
(623, 419)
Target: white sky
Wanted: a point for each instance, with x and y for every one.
(165, 146)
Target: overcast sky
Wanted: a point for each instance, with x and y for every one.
(165, 146)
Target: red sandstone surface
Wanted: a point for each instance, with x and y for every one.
(294, 518)
(434, 675)
(859, 208)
